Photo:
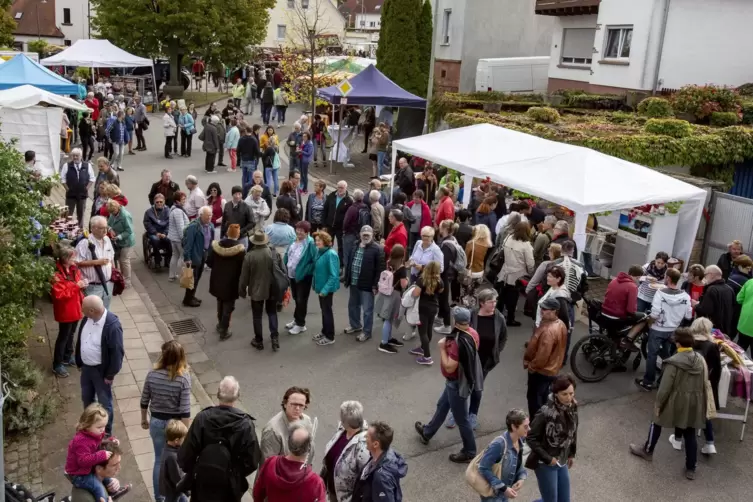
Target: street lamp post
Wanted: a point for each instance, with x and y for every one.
(39, 31)
(312, 41)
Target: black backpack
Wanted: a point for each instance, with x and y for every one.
(364, 217)
(213, 473)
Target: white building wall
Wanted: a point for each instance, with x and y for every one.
(363, 21)
(331, 19)
(708, 41)
(562, 23)
(454, 50)
(78, 28)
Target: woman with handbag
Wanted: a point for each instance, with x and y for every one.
(684, 401)
(518, 262)
(388, 303)
(552, 438)
(476, 251)
(499, 474)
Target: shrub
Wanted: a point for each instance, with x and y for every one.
(702, 101)
(655, 108)
(724, 119)
(25, 408)
(747, 110)
(543, 114)
(669, 127)
(595, 101)
(745, 90)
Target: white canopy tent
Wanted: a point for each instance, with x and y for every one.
(25, 96)
(578, 178)
(93, 53)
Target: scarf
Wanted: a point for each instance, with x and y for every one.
(561, 423)
(655, 272)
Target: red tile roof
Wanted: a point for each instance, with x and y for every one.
(27, 23)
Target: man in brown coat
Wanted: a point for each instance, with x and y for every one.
(544, 355)
(256, 280)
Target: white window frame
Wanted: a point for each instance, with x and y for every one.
(284, 31)
(572, 61)
(623, 31)
(446, 19)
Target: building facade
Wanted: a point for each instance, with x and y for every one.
(613, 46)
(58, 22)
(290, 19)
(469, 30)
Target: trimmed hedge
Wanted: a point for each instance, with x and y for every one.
(655, 108)
(747, 111)
(543, 114)
(669, 127)
(724, 119)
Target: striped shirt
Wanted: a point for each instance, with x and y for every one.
(167, 399)
(103, 249)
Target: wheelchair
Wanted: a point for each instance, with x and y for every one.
(149, 258)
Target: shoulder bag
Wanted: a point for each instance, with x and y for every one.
(474, 478)
(708, 391)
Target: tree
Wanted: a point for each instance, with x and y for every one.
(308, 28)
(7, 24)
(398, 52)
(425, 39)
(39, 46)
(219, 29)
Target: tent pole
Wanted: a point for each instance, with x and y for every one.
(392, 178)
(579, 232)
(339, 132)
(155, 106)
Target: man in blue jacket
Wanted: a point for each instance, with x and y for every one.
(99, 354)
(156, 223)
(380, 479)
(196, 242)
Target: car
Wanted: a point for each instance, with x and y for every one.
(162, 73)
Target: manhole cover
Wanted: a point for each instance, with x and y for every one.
(185, 327)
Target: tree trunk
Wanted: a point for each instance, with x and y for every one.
(174, 86)
(313, 87)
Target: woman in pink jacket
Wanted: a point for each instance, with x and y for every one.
(425, 219)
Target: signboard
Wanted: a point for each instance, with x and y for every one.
(345, 88)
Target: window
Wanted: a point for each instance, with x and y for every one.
(291, 4)
(281, 31)
(443, 74)
(372, 24)
(67, 43)
(618, 42)
(363, 24)
(66, 16)
(18, 46)
(446, 27)
(577, 46)
(18, 15)
(304, 4)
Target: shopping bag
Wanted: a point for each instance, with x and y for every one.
(474, 478)
(186, 277)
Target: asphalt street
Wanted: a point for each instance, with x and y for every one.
(395, 389)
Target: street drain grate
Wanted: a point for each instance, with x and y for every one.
(185, 327)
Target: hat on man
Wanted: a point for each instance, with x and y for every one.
(366, 229)
(461, 315)
(259, 238)
(550, 304)
(234, 231)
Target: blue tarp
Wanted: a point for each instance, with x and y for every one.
(21, 70)
(371, 87)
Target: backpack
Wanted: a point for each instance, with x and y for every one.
(364, 217)
(386, 282)
(461, 260)
(213, 473)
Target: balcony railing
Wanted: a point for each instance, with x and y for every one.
(567, 7)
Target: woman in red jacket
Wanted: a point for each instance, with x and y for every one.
(424, 211)
(398, 234)
(217, 203)
(113, 193)
(67, 296)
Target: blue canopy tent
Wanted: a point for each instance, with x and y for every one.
(21, 70)
(371, 87)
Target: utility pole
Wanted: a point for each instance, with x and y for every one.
(430, 91)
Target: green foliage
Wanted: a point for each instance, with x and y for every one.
(747, 111)
(399, 52)
(39, 46)
(724, 119)
(424, 35)
(669, 127)
(655, 108)
(543, 114)
(218, 29)
(703, 100)
(745, 90)
(7, 24)
(26, 410)
(595, 101)
(82, 72)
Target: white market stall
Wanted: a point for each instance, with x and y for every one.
(578, 178)
(35, 127)
(95, 53)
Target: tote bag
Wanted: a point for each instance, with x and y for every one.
(474, 478)
(186, 277)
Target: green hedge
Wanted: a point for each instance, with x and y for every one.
(655, 108)
(724, 119)
(543, 114)
(747, 111)
(669, 127)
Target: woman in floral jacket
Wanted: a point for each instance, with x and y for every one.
(346, 454)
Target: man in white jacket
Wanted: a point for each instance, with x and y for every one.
(669, 308)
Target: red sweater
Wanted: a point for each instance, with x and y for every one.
(445, 211)
(217, 205)
(283, 480)
(425, 213)
(398, 235)
(84, 453)
(66, 295)
(121, 199)
(621, 298)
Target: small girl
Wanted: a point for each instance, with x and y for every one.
(84, 452)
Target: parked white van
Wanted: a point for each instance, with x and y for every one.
(529, 74)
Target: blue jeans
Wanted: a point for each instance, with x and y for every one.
(451, 400)
(386, 332)
(271, 179)
(554, 483)
(247, 172)
(157, 432)
(320, 147)
(643, 305)
(588, 263)
(281, 114)
(380, 162)
(358, 300)
(93, 386)
(304, 168)
(99, 290)
(658, 345)
(266, 110)
(93, 485)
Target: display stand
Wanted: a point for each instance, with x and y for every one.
(340, 151)
(738, 418)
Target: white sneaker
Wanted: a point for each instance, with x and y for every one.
(443, 330)
(410, 336)
(676, 443)
(709, 449)
(290, 325)
(297, 329)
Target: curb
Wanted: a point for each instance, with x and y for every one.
(201, 394)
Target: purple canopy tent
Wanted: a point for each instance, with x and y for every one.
(371, 87)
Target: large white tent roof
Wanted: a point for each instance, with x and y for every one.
(25, 96)
(93, 53)
(579, 178)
